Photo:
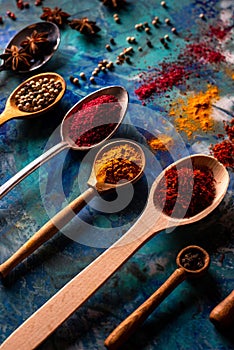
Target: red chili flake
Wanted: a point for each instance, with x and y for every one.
(190, 190)
(224, 152)
(91, 124)
(162, 80)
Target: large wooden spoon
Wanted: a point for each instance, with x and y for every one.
(74, 294)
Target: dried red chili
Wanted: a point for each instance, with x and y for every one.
(91, 124)
(187, 191)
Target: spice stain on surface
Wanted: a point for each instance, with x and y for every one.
(194, 114)
(161, 143)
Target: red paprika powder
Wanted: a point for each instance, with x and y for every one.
(93, 122)
(190, 190)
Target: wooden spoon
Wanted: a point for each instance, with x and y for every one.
(66, 214)
(12, 111)
(66, 141)
(126, 328)
(74, 294)
(223, 314)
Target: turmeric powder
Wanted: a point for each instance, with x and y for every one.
(160, 143)
(195, 113)
(120, 163)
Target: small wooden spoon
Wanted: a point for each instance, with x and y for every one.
(74, 294)
(66, 214)
(12, 111)
(126, 328)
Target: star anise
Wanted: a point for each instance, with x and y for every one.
(84, 26)
(16, 58)
(114, 3)
(55, 15)
(32, 43)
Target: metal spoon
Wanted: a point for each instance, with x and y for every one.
(126, 328)
(45, 55)
(67, 142)
(12, 111)
(151, 222)
(66, 214)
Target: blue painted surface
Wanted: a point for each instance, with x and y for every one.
(181, 321)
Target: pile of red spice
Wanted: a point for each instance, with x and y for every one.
(224, 150)
(187, 191)
(91, 124)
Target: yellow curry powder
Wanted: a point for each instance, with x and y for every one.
(122, 162)
(194, 114)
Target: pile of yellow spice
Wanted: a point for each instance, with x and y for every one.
(194, 114)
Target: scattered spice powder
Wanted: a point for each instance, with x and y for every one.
(161, 143)
(175, 189)
(194, 114)
(91, 124)
(120, 163)
(161, 80)
(193, 259)
(203, 52)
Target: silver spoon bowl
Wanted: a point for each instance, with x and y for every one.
(53, 43)
(66, 142)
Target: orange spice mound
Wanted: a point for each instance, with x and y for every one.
(194, 114)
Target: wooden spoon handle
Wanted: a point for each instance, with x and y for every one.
(28, 169)
(123, 331)
(50, 316)
(47, 231)
(223, 314)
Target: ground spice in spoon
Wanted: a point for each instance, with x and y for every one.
(175, 190)
(193, 259)
(118, 164)
(91, 124)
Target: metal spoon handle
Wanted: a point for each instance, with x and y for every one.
(123, 331)
(47, 231)
(28, 169)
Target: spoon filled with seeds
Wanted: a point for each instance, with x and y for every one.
(117, 164)
(151, 222)
(192, 261)
(31, 47)
(34, 96)
(88, 124)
